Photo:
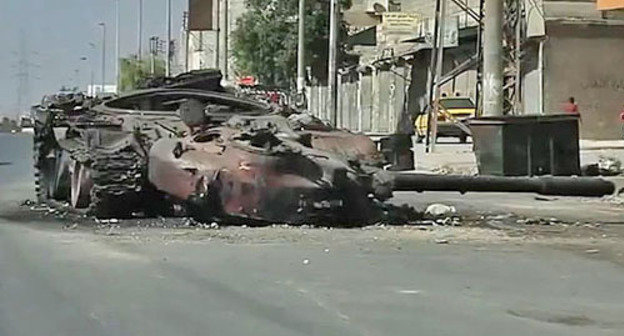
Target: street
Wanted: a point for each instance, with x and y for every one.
(145, 277)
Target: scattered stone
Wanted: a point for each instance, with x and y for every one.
(28, 203)
(70, 227)
(440, 210)
(500, 217)
(545, 198)
(609, 166)
(326, 250)
(442, 241)
(445, 221)
(535, 221)
(112, 232)
(306, 261)
(593, 251)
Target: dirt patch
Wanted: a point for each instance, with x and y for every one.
(550, 317)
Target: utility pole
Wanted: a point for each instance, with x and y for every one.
(140, 31)
(217, 27)
(493, 59)
(93, 58)
(168, 56)
(332, 75)
(518, 62)
(153, 45)
(438, 75)
(301, 50)
(187, 37)
(103, 25)
(224, 37)
(117, 40)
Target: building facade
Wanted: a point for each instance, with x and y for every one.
(569, 49)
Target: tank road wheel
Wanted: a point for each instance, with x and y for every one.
(81, 185)
(59, 184)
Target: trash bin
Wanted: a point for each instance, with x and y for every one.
(527, 145)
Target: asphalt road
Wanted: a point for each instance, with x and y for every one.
(285, 282)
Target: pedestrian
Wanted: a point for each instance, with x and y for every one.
(571, 107)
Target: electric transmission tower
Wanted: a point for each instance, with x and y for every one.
(24, 73)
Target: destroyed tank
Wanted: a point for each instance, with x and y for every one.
(214, 156)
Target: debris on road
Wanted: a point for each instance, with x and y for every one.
(606, 166)
(545, 198)
(70, 227)
(440, 210)
(609, 166)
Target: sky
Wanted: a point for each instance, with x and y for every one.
(51, 37)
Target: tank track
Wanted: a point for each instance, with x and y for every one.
(42, 144)
(40, 183)
(118, 183)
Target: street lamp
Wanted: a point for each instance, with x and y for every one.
(91, 92)
(140, 31)
(103, 25)
(168, 57)
(117, 51)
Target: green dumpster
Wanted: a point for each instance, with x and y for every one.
(531, 145)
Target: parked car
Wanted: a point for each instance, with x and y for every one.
(459, 108)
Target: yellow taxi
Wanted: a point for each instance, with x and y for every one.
(453, 110)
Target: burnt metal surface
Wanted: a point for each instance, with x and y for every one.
(258, 174)
(207, 80)
(219, 156)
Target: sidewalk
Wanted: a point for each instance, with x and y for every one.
(601, 144)
(451, 157)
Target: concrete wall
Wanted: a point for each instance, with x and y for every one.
(373, 102)
(204, 45)
(586, 62)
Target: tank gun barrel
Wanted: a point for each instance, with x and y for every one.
(551, 186)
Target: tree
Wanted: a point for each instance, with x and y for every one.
(134, 72)
(265, 38)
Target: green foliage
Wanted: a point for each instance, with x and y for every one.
(265, 39)
(134, 72)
